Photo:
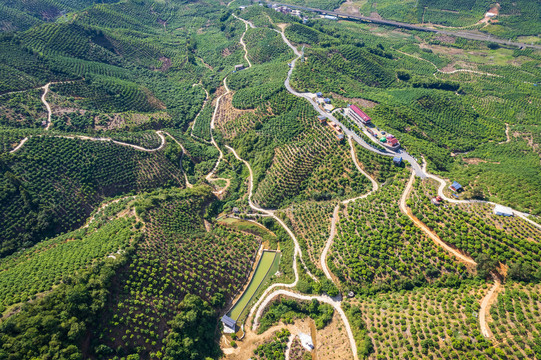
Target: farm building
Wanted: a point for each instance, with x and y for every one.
(330, 17)
(239, 67)
(392, 141)
(503, 210)
(319, 94)
(439, 198)
(229, 323)
(383, 139)
(435, 201)
(455, 186)
(397, 160)
(357, 115)
(327, 100)
(322, 119)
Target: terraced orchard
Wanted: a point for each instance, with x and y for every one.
(429, 322)
(25, 274)
(311, 222)
(52, 184)
(475, 230)
(311, 164)
(176, 257)
(379, 248)
(516, 321)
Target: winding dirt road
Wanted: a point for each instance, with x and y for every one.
(49, 111)
(407, 211)
(447, 72)
(490, 297)
(89, 138)
(188, 185)
(323, 299)
(246, 23)
(487, 301)
(105, 205)
(19, 146)
(332, 234)
(523, 216)
(197, 116)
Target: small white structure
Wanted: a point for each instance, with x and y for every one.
(503, 210)
(330, 17)
(306, 341)
(489, 14)
(328, 107)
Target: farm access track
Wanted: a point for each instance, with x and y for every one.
(267, 296)
(274, 291)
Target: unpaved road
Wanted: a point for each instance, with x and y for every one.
(487, 301)
(103, 206)
(89, 138)
(19, 146)
(523, 216)
(323, 299)
(406, 210)
(188, 185)
(490, 296)
(49, 111)
(242, 39)
(332, 234)
(207, 97)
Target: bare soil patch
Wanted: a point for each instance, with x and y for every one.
(166, 63)
(446, 39)
(474, 161)
(349, 8)
(227, 113)
(245, 347)
(375, 15)
(332, 342)
(356, 101)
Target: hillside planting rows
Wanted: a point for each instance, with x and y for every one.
(151, 151)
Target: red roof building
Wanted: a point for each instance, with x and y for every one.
(392, 141)
(359, 115)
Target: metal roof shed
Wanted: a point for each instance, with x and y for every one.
(455, 186)
(503, 210)
(230, 323)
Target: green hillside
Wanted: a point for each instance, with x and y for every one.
(152, 151)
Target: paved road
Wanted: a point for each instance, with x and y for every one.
(522, 215)
(462, 34)
(405, 156)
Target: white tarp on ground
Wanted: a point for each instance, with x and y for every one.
(306, 341)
